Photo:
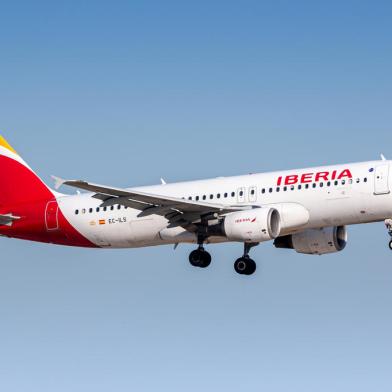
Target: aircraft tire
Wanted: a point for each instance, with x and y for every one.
(245, 266)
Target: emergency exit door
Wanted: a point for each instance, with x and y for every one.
(381, 180)
(51, 216)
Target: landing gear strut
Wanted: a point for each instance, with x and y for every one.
(200, 257)
(388, 224)
(245, 265)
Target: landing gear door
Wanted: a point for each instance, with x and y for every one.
(381, 179)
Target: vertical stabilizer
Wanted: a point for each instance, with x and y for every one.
(18, 182)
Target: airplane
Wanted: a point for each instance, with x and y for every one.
(306, 210)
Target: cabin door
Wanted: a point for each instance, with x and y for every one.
(52, 216)
(381, 179)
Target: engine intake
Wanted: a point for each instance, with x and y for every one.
(315, 241)
(256, 225)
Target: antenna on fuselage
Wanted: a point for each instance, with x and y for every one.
(383, 157)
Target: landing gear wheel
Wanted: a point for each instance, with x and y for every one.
(200, 258)
(390, 244)
(245, 266)
(206, 259)
(194, 258)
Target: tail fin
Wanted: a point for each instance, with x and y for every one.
(18, 183)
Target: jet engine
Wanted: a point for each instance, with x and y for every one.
(256, 225)
(315, 241)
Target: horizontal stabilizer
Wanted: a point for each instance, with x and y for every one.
(8, 219)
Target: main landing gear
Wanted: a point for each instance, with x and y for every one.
(200, 258)
(388, 224)
(245, 265)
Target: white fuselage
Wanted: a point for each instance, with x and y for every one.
(361, 196)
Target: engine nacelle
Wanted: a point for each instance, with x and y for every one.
(256, 225)
(315, 241)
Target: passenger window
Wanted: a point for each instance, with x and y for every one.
(226, 195)
(218, 196)
(285, 189)
(197, 198)
(277, 189)
(329, 183)
(365, 179)
(358, 181)
(211, 197)
(350, 181)
(105, 209)
(263, 190)
(190, 198)
(271, 190)
(241, 193)
(83, 211)
(299, 187)
(119, 207)
(292, 187)
(343, 182)
(336, 182)
(77, 212)
(321, 184)
(314, 185)
(97, 209)
(252, 192)
(232, 194)
(204, 197)
(306, 186)
(90, 210)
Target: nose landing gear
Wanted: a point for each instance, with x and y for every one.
(388, 224)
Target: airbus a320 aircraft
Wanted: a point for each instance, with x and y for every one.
(306, 210)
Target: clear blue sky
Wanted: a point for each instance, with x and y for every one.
(126, 92)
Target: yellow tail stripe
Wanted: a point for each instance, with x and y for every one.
(6, 145)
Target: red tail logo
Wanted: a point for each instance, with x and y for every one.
(28, 208)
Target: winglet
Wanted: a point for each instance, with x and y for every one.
(58, 182)
(383, 157)
(5, 144)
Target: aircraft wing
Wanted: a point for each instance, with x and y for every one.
(175, 209)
